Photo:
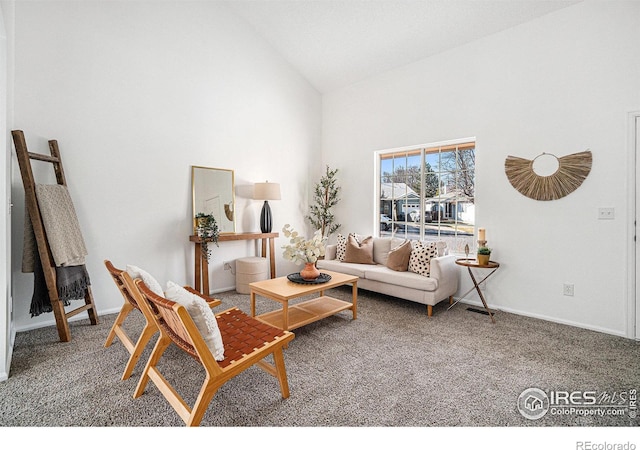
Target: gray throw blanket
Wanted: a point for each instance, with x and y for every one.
(67, 247)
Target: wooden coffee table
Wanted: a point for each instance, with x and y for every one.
(294, 316)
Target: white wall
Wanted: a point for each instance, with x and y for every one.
(136, 93)
(6, 331)
(562, 84)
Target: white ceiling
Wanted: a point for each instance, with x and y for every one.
(334, 43)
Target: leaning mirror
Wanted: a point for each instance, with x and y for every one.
(213, 192)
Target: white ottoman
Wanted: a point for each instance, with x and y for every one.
(248, 270)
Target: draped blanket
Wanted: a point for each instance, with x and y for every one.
(67, 248)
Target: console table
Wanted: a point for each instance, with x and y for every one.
(201, 283)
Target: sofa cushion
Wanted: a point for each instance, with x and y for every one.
(398, 258)
(330, 251)
(359, 252)
(381, 248)
(334, 265)
(406, 279)
(420, 259)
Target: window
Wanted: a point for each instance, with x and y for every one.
(428, 193)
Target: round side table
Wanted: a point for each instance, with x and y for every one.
(472, 263)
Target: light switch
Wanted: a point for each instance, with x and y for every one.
(606, 213)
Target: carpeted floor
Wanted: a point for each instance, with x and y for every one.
(392, 367)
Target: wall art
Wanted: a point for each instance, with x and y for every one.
(571, 172)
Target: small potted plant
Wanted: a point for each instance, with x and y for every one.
(484, 253)
(208, 231)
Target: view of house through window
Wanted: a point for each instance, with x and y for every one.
(429, 193)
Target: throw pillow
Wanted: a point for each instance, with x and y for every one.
(398, 259)
(202, 316)
(359, 252)
(341, 248)
(136, 272)
(420, 259)
(381, 249)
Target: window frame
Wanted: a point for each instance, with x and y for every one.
(423, 150)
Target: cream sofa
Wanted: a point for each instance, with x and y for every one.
(441, 283)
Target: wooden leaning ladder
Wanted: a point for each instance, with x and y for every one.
(44, 251)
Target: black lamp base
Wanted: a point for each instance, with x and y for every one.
(265, 218)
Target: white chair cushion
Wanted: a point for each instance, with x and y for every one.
(136, 272)
(202, 316)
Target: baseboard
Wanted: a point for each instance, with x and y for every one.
(477, 304)
(52, 322)
(223, 289)
(115, 310)
(547, 318)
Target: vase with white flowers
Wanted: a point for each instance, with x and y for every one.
(304, 251)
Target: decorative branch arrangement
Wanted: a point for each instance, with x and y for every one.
(572, 171)
(326, 197)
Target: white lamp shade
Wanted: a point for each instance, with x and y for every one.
(266, 191)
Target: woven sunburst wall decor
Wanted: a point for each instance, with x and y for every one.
(572, 171)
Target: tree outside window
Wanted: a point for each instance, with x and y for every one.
(429, 193)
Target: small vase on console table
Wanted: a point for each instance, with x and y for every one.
(310, 272)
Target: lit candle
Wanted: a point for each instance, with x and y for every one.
(482, 234)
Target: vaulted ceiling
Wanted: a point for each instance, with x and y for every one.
(334, 43)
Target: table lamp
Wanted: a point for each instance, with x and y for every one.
(266, 191)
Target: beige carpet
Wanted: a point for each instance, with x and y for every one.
(392, 367)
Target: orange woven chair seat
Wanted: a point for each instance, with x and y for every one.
(242, 335)
(247, 341)
(137, 346)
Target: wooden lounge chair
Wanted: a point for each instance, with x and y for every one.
(130, 304)
(247, 341)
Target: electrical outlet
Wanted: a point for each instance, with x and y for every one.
(606, 213)
(226, 265)
(568, 289)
